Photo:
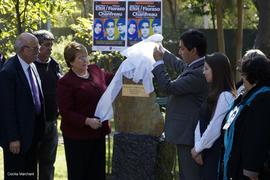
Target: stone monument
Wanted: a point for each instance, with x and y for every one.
(139, 150)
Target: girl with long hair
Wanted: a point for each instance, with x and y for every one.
(207, 145)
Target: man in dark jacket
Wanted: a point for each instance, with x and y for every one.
(22, 110)
(49, 72)
(186, 94)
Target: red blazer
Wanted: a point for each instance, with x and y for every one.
(77, 99)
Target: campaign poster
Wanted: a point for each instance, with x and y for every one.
(109, 26)
(144, 20)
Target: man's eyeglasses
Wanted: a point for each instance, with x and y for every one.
(35, 49)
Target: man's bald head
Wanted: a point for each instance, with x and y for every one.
(24, 39)
(27, 47)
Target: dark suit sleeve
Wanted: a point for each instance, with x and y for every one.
(8, 106)
(59, 71)
(190, 82)
(256, 141)
(174, 62)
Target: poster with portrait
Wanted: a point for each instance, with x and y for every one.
(109, 25)
(119, 24)
(144, 20)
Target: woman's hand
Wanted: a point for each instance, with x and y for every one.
(199, 159)
(196, 156)
(93, 123)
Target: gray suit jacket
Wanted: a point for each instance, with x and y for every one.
(186, 94)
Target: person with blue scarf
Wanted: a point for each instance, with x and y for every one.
(247, 125)
(98, 30)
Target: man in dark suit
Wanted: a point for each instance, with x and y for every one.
(186, 93)
(22, 110)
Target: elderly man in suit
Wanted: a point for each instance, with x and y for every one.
(22, 110)
(186, 93)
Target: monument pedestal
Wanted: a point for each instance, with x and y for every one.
(142, 157)
(138, 151)
(134, 157)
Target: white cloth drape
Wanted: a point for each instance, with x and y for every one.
(137, 66)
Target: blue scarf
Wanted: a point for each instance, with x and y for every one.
(232, 116)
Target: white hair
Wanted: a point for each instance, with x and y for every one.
(252, 53)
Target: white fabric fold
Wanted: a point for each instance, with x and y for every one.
(137, 66)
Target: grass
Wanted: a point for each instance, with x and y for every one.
(60, 164)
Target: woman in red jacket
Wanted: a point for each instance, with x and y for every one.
(84, 135)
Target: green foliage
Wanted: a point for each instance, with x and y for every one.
(251, 17)
(27, 15)
(58, 51)
(197, 8)
(110, 61)
(83, 29)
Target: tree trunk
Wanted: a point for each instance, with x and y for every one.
(220, 33)
(84, 8)
(172, 7)
(212, 10)
(18, 17)
(262, 40)
(239, 34)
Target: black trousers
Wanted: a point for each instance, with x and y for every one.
(85, 159)
(22, 166)
(47, 149)
(211, 160)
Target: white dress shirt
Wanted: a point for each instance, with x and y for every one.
(212, 132)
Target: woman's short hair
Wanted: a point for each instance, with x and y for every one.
(252, 53)
(71, 51)
(256, 70)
